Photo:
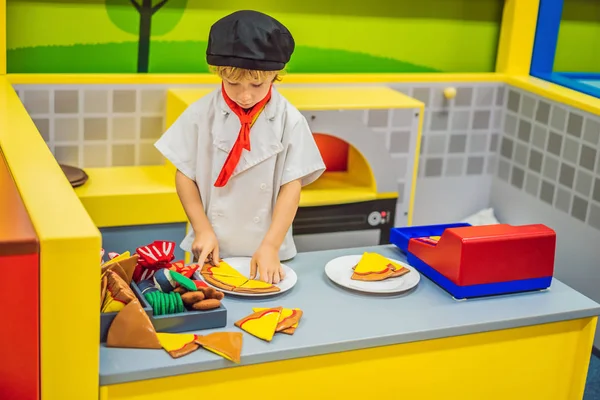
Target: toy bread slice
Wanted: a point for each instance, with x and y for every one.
(261, 324)
(289, 318)
(223, 269)
(225, 344)
(225, 282)
(256, 286)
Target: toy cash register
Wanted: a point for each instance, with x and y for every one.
(474, 261)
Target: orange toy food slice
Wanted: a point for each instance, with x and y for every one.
(289, 318)
(261, 324)
(225, 344)
(132, 328)
(375, 267)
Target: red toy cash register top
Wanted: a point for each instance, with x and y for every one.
(473, 255)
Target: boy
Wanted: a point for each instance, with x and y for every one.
(243, 152)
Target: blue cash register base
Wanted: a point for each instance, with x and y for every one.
(476, 261)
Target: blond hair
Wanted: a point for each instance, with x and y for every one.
(239, 74)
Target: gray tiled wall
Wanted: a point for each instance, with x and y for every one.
(98, 125)
(552, 152)
(460, 135)
(114, 125)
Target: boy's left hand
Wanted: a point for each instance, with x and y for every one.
(266, 262)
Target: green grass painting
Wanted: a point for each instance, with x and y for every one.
(186, 57)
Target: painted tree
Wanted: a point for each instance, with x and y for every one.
(142, 17)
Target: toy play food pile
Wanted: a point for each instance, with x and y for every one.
(169, 292)
(225, 277)
(265, 322)
(375, 267)
(132, 328)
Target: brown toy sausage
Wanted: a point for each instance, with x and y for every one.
(209, 293)
(180, 290)
(219, 295)
(190, 298)
(208, 304)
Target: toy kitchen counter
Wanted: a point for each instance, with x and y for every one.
(422, 344)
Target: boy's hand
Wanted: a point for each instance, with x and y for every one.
(206, 248)
(266, 262)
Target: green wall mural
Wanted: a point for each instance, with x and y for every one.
(169, 36)
(578, 47)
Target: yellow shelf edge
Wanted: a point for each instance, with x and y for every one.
(208, 79)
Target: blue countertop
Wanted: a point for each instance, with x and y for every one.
(336, 319)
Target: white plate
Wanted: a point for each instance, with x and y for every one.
(242, 265)
(339, 270)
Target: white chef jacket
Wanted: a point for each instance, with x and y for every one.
(282, 149)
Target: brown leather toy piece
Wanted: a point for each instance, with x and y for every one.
(202, 299)
(132, 328)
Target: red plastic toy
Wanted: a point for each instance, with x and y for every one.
(474, 255)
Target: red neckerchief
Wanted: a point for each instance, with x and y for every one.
(247, 118)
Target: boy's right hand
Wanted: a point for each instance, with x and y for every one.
(206, 247)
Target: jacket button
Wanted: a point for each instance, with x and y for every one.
(256, 219)
(263, 186)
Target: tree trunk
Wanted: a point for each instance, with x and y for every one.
(145, 31)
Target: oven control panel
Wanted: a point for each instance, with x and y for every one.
(374, 214)
(379, 218)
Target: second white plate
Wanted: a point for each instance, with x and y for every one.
(339, 270)
(242, 265)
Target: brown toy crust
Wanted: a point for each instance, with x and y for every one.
(400, 272)
(289, 321)
(185, 350)
(271, 289)
(208, 304)
(289, 331)
(374, 276)
(210, 279)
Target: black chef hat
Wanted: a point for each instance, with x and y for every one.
(250, 40)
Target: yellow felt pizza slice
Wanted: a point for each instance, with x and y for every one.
(373, 267)
(256, 286)
(178, 344)
(223, 269)
(288, 319)
(261, 324)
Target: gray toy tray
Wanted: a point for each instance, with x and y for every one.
(172, 323)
